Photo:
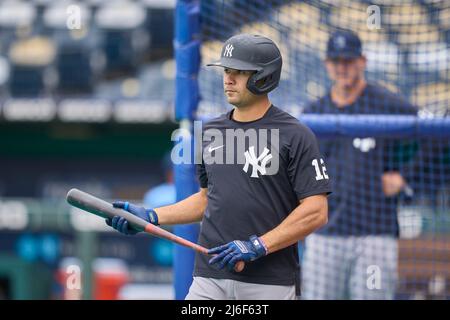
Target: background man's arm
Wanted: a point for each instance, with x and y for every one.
(393, 181)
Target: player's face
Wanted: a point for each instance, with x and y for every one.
(345, 72)
(235, 87)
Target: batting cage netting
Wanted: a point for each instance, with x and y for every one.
(378, 243)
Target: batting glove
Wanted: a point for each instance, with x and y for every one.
(232, 252)
(122, 225)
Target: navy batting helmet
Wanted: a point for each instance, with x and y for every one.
(248, 52)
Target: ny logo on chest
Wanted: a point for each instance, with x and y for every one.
(258, 163)
(255, 148)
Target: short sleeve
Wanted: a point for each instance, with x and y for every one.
(201, 175)
(306, 167)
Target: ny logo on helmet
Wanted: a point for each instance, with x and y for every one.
(228, 52)
(250, 158)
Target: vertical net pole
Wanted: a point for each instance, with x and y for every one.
(187, 56)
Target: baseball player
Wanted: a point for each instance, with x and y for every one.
(355, 255)
(264, 185)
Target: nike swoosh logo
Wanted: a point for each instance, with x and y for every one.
(215, 148)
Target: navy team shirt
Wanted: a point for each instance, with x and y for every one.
(358, 205)
(245, 199)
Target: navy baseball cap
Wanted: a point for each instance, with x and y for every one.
(344, 44)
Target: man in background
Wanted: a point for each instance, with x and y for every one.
(360, 239)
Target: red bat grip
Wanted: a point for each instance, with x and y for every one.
(154, 230)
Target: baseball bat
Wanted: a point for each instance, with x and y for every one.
(99, 207)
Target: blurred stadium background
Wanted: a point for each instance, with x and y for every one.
(92, 106)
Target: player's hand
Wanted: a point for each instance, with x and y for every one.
(229, 254)
(122, 225)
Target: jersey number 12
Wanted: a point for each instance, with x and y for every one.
(320, 175)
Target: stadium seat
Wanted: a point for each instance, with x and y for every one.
(308, 85)
(416, 34)
(155, 81)
(354, 17)
(31, 61)
(16, 14)
(350, 16)
(16, 20)
(374, 35)
(41, 6)
(295, 16)
(439, 4)
(124, 39)
(432, 98)
(432, 57)
(444, 18)
(75, 47)
(384, 63)
(313, 37)
(56, 15)
(158, 80)
(383, 57)
(74, 70)
(398, 16)
(42, 3)
(94, 5)
(160, 16)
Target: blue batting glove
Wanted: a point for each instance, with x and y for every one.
(122, 225)
(232, 252)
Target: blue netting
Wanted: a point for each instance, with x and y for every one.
(403, 239)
